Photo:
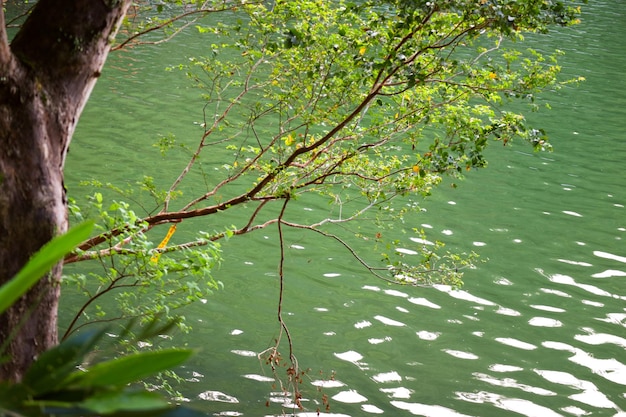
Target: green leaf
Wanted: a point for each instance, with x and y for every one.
(131, 368)
(41, 262)
(153, 329)
(110, 402)
(55, 365)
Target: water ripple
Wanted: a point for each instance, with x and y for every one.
(590, 394)
(600, 338)
(399, 392)
(389, 322)
(217, 396)
(392, 376)
(518, 405)
(512, 383)
(609, 273)
(427, 410)
(608, 255)
(611, 369)
(460, 354)
(544, 322)
(515, 343)
(424, 302)
(349, 396)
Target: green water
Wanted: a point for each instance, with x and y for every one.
(538, 330)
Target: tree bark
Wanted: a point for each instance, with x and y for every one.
(46, 76)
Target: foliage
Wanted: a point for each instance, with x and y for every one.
(41, 263)
(63, 381)
(168, 277)
(367, 105)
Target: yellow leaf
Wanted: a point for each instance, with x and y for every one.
(362, 50)
(166, 239)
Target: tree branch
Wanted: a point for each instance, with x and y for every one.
(160, 26)
(202, 11)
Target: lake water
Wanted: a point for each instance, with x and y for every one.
(539, 330)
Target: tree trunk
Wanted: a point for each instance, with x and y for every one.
(46, 76)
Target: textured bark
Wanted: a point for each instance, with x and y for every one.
(46, 76)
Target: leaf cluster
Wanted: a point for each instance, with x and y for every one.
(63, 380)
(146, 281)
(366, 105)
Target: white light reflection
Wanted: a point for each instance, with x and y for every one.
(283, 398)
(388, 321)
(332, 383)
(609, 273)
(399, 392)
(427, 410)
(544, 322)
(349, 397)
(555, 292)
(396, 293)
(377, 341)
(217, 396)
(590, 394)
(608, 255)
(503, 281)
(422, 241)
(260, 378)
(424, 302)
(515, 343)
(611, 369)
(383, 377)
(567, 261)
(368, 408)
(512, 383)
(460, 354)
(567, 280)
(352, 357)
(362, 324)
(463, 295)
(316, 415)
(548, 308)
(576, 411)
(615, 318)
(247, 353)
(425, 335)
(600, 338)
(406, 251)
(508, 312)
(498, 367)
(517, 405)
